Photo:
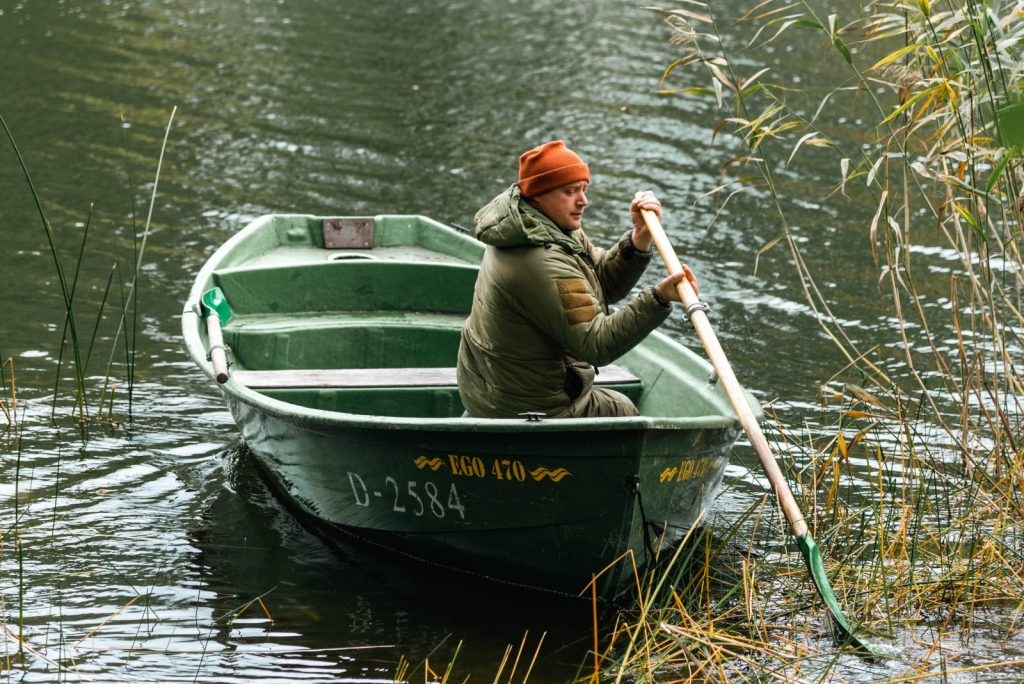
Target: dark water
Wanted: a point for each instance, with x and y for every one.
(137, 550)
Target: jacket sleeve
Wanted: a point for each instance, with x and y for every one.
(565, 306)
(618, 268)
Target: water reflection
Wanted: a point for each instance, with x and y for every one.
(143, 557)
(322, 595)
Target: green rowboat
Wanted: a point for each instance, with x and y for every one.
(342, 336)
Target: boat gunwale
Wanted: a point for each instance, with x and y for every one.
(312, 416)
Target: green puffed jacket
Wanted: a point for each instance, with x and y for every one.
(540, 312)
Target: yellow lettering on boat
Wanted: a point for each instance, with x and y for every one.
(467, 466)
(502, 469)
(508, 469)
(688, 469)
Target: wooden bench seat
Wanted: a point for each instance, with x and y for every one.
(381, 377)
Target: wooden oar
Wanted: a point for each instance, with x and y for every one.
(215, 310)
(217, 351)
(698, 316)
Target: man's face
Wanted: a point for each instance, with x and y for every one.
(564, 205)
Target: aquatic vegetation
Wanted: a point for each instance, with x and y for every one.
(508, 668)
(8, 392)
(18, 646)
(127, 315)
(929, 410)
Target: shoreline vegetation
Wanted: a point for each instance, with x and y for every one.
(929, 558)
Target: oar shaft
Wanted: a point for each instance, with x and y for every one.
(733, 390)
(737, 397)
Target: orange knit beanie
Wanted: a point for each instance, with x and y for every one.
(550, 166)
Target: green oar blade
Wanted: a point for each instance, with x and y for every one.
(812, 557)
(214, 301)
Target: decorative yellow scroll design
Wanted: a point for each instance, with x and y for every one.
(434, 464)
(556, 475)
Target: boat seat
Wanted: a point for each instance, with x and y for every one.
(382, 377)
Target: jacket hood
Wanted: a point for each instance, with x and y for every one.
(506, 221)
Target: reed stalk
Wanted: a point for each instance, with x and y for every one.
(129, 294)
(9, 395)
(128, 322)
(65, 289)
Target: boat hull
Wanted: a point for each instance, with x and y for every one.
(544, 509)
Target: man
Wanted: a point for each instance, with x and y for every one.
(540, 321)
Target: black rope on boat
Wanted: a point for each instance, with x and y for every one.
(647, 525)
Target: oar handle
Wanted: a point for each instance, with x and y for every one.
(217, 352)
(737, 397)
